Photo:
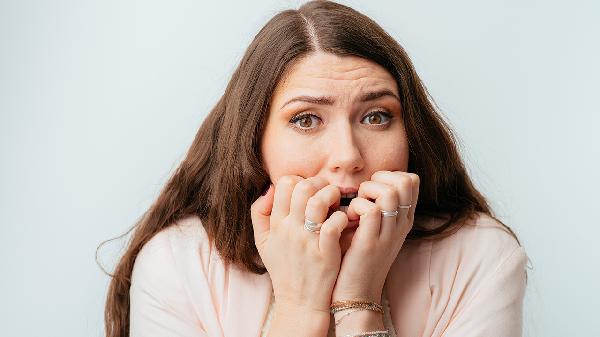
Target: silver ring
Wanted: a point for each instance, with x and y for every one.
(389, 213)
(312, 227)
(394, 213)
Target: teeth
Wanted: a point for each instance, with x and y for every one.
(343, 208)
(349, 195)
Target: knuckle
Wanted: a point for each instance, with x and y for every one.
(318, 180)
(356, 203)
(340, 214)
(405, 183)
(316, 202)
(339, 218)
(330, 230)
(332, 189)
(389, 192)
(415, 177)
(375, 174)
(304, 187)
(287, 181)
(379, 174)
(374, 210)
(363, 184)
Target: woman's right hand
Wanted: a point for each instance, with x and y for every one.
(303, 266)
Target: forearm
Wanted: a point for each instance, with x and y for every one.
(299, 323)
(360, 321)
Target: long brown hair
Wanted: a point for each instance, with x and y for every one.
(222, 173)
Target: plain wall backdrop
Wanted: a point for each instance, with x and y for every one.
(100, 100)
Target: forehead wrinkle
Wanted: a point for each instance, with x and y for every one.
(355, 74)
(342, 93)
(299, 80)
(327, 76)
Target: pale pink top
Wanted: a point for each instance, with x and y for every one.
(469, 284)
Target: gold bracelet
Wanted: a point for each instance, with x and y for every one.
(368, 305)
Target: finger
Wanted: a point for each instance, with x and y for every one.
(386, 197)
(404, 185)
(416, 183)
(329, 237)
(370, 217)
(303, 191)
(260, 213)
(318, 205)
(283, 193)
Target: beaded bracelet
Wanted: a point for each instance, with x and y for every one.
(383, 333)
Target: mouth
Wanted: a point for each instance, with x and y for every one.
(343, 207)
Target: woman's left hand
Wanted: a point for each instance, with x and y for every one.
(377, 239)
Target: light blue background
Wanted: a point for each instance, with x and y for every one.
(99, 101)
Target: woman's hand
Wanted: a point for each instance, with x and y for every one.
(303, 266)
(377, 239)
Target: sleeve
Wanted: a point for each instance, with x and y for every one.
(496, 308)
(159, 304)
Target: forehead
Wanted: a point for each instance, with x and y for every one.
(335, 75)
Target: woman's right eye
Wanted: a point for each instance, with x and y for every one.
(305, 122)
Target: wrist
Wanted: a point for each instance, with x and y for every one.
(298, 320)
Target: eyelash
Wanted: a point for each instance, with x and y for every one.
(304, 115)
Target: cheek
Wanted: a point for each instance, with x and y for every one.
(288, 158)
(385, 150)
(384, 157)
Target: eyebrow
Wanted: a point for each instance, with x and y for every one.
(326, 100)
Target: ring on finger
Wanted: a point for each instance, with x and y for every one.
(312, 227)
(395, 212)
(389, 213)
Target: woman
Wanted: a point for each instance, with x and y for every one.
(323, 181)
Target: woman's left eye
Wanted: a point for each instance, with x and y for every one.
(377, 118)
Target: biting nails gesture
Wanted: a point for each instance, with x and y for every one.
(378, 238)
(303, 265)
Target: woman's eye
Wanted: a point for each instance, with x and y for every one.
(306, 121)
(377, 117)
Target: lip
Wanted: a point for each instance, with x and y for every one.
(346, 190)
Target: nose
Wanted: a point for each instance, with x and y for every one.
(345, 152)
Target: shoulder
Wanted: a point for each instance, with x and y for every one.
(164, 260)
(168, 274)
(478, 279)
(185, 232)
(481, 249)
(481, 235)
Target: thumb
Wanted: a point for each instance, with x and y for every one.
(260, 212)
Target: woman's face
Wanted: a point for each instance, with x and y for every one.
(338, 118)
